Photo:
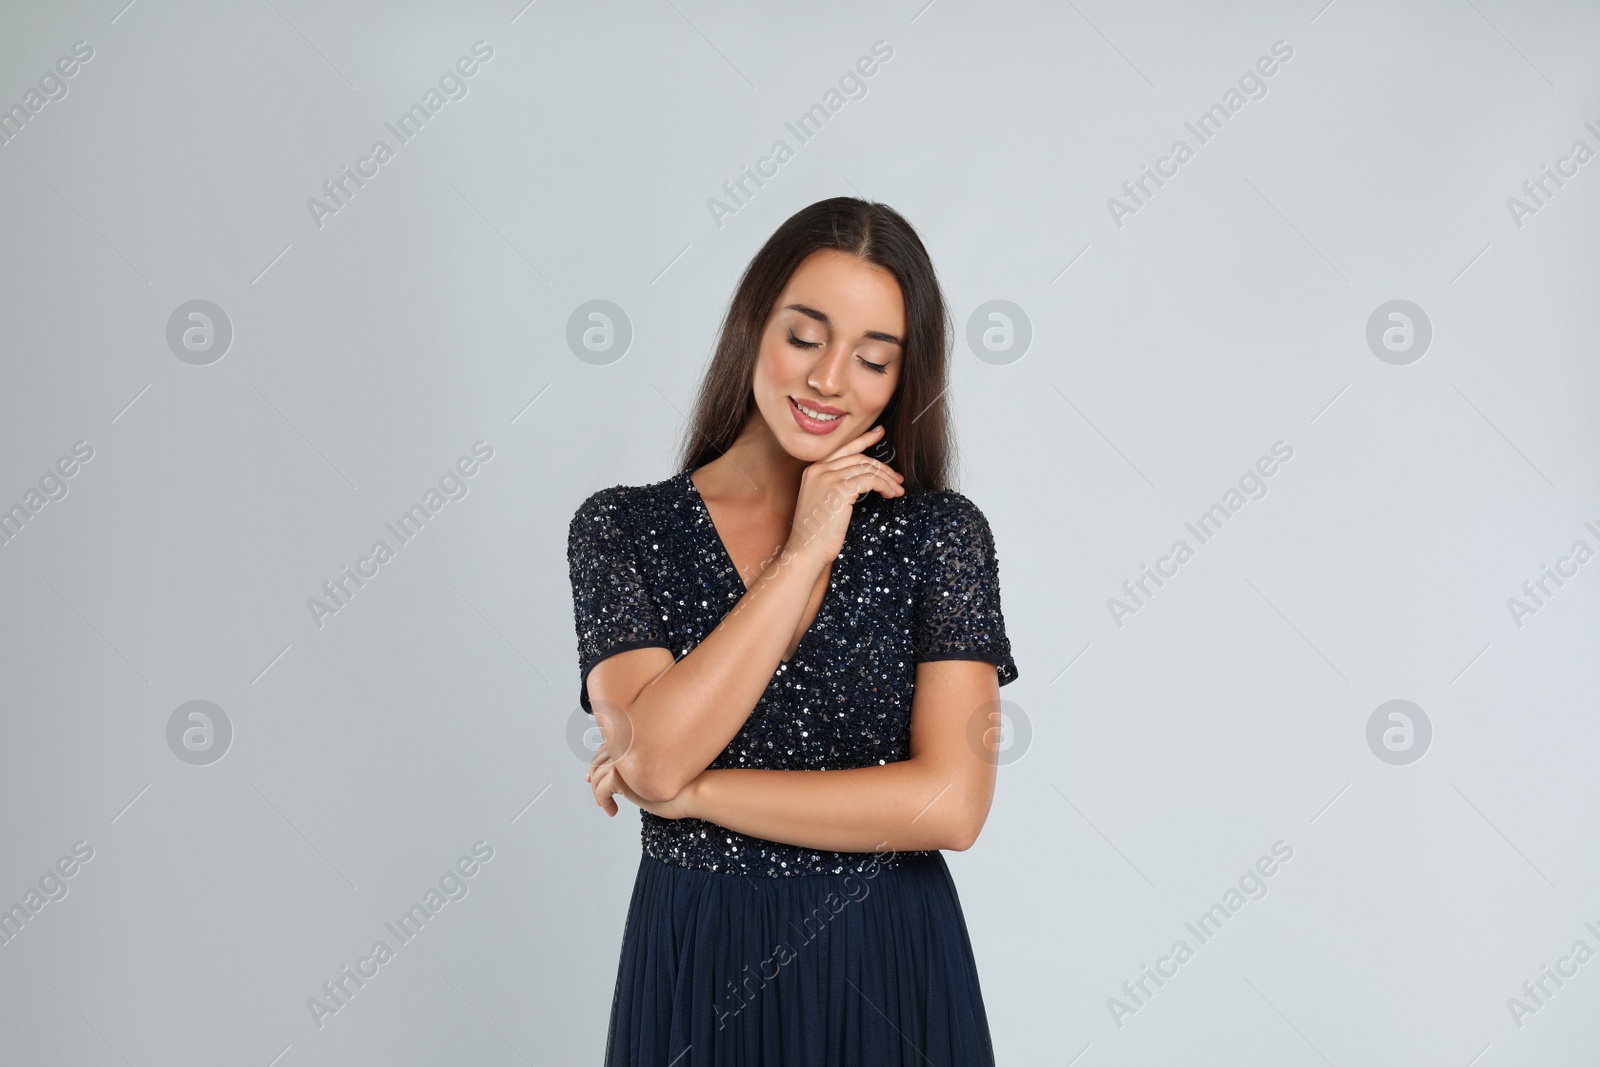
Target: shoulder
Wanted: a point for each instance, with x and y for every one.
(947, 513)
(604, 503)
(950, 535)
(616, 507)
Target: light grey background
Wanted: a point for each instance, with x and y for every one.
(1167, 355)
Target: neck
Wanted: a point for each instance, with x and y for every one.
(755, 470)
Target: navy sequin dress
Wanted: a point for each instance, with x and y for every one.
(739, 950)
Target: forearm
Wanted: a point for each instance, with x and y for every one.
(904, 806)
(688, 714)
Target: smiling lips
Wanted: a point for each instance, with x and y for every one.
(815, 418)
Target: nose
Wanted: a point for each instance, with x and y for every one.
(828, 374)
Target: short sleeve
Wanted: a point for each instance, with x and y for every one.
(611, 605)
(957, 611)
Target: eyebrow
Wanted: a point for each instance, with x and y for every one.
(822, 317)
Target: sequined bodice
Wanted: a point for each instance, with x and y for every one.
(916, 579)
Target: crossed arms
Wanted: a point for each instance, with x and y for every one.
(663, 722)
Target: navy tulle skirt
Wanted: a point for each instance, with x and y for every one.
(799, 971)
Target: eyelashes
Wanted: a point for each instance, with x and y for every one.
(877, 368)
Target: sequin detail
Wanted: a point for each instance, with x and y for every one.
(916, 579)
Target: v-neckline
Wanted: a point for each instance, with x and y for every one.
(727, 557)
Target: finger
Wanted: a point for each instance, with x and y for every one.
(855, 482)
(602, 787)
(867, 479)
(613, 784)
(866, 439)
(861, 464)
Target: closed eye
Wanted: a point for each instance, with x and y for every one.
(878, 368)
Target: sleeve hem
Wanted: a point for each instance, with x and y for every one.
(625, 646)
(1006, 666)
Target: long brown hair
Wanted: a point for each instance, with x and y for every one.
(918, 441)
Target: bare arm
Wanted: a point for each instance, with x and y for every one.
(664, 721)
(937, 799)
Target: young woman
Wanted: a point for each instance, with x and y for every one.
(793, 649)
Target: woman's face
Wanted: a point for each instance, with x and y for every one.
(835, 344)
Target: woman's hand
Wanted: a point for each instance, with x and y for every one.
(828, 492)
(606, 781)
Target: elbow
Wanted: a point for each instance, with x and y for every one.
(965, 824)
(646, 763)
(953, 818)
(649, 791)
(653, 782)
(963, 835)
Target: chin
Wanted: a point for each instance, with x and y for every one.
(804, 446)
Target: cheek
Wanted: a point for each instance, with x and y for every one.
(773, 364)
(883, 387)
(788, 374)
(762, 376)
